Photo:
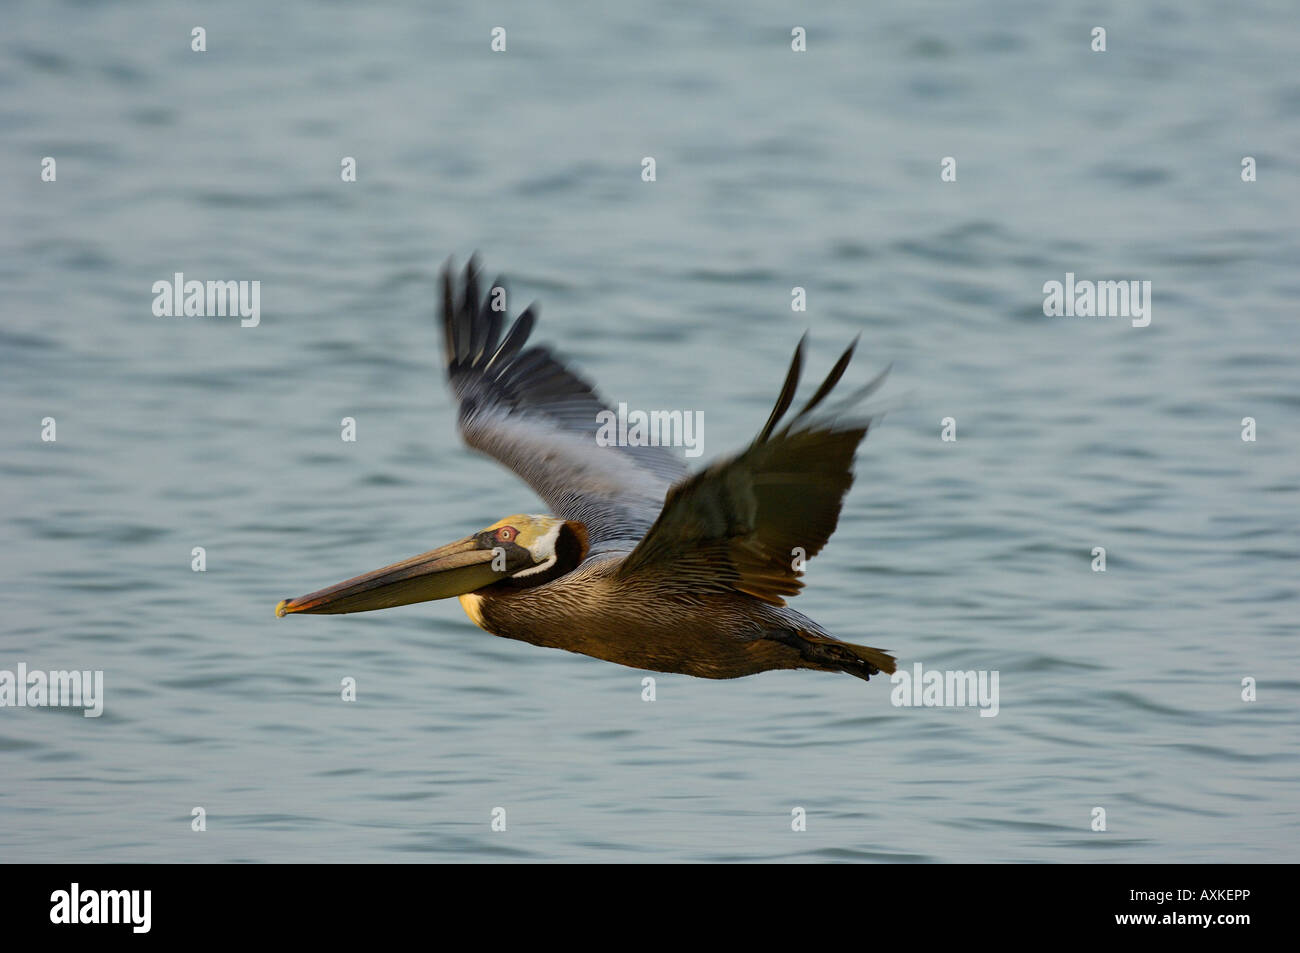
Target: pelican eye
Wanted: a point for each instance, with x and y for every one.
(506, 534)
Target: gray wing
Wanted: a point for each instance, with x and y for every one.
(524, 408)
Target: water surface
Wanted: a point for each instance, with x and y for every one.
(774, 170)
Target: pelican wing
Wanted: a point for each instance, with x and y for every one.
(746, 522)
(524, 408)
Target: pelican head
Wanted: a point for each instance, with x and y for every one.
(518, 550)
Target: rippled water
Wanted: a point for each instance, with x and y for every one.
(1119, 690)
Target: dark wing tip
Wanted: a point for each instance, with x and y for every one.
(835, 409)
(832, 379)
(787, 392)
(515, 339)
(448, 312)
(853, 398)
(472, 325)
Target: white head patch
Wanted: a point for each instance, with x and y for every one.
(542, 550)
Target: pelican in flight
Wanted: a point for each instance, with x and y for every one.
(641, 563)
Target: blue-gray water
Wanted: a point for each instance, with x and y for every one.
(1120, 690)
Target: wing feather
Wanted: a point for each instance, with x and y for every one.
(746, 522)
(529, 411)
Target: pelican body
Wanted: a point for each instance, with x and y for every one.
(639, 563)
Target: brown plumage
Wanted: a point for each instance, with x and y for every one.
(640, 564)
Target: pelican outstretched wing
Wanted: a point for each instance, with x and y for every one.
(524, 408)
(745, 523)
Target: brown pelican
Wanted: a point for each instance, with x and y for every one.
(640, 564)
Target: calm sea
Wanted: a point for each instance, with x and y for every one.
(1119, 690)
